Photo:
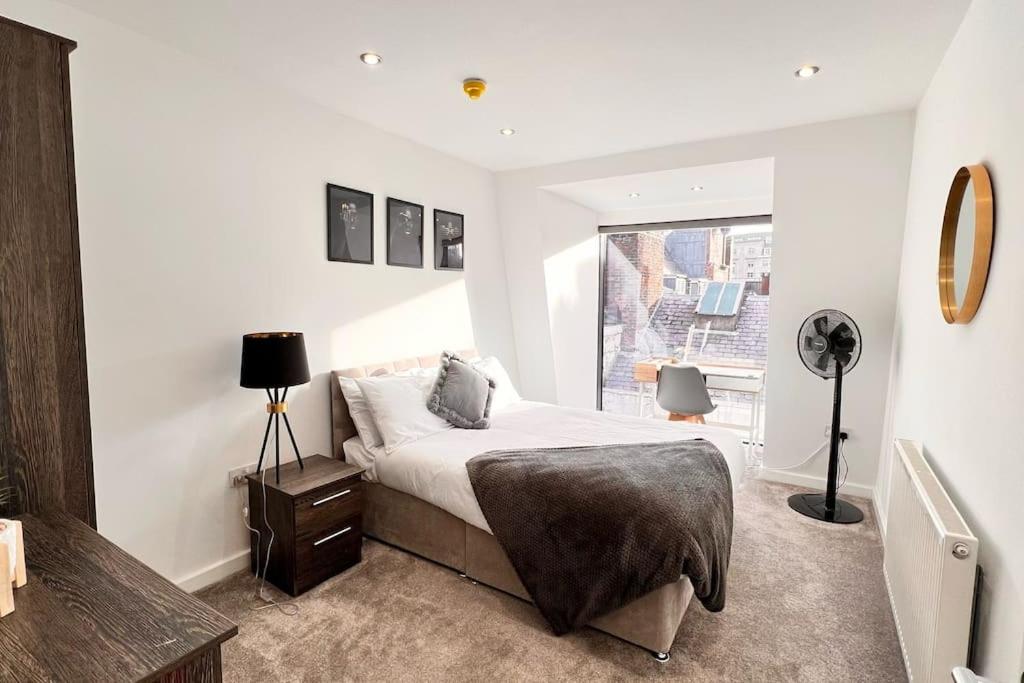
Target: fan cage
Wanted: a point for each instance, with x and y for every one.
(809, 330)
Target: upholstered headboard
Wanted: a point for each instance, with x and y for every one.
(342, 427)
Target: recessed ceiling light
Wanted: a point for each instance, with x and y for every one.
(371, 58)
(806, 71)
(634, 195)
(507, 131)
(697, 188)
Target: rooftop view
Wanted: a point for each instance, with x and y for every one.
(687, 295)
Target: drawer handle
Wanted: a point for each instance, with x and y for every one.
(332, 497)
(334, 535)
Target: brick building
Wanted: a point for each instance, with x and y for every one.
(633, 281)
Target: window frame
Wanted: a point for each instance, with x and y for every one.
(604, 230)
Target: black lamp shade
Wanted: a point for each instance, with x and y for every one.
(272, 360)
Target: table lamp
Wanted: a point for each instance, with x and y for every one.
(275, 361)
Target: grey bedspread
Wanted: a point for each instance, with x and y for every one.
(590, 529)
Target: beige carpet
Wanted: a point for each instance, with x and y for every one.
(806, 601)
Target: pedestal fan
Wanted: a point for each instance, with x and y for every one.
(829, 345)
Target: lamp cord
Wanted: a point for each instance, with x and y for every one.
(287, 608)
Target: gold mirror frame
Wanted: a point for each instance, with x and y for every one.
(961, 312)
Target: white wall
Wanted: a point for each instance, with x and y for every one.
(839, 205)
(691, 211)
(523, 248)
(570, 250)
(960, 389)
(201, 199)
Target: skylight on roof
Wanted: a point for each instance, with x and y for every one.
(721, 298)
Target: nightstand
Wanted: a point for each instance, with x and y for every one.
(316, 515)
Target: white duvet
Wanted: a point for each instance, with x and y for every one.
(434, 467)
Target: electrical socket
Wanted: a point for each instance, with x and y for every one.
(236, 477)
(842, 430)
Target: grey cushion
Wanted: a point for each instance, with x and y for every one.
(462, 394)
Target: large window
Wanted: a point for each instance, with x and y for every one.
(691, 292)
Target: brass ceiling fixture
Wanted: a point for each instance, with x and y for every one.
(474, 87)
(966, 244)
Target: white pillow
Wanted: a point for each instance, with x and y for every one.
(505, 393)
(399, 407)
(360, 412)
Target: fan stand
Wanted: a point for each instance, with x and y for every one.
(825, 506)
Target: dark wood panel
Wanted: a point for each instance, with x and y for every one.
(92, 612)
(318, 471)
(316, 563)
(280, 514)
(45, 439)
(56, 647)
(67, 42)
(29, 111)
(327, 507)
(79, 489)
(206, 668)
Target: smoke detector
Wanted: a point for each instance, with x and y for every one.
(474, 87)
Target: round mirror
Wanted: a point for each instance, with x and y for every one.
(966, 244)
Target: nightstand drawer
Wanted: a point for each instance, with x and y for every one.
(326, 508)
(322, 556)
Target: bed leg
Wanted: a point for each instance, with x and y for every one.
(661, 657)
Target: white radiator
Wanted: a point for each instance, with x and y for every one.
(930, 561)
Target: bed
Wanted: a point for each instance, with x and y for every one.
(419, 497)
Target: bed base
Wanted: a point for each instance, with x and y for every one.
(419, 527)
(416, 526)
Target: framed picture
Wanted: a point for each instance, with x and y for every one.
(449, 250)
(405, 234)
(349, 225)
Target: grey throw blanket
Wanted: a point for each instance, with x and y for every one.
(592, 528)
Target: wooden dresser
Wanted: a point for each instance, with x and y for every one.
(91, 612)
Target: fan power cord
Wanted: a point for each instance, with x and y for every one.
(842, 452)
(843, 436)
(814, 454)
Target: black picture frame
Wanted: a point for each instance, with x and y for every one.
(349, 225)
(449, 240)
(405, 233)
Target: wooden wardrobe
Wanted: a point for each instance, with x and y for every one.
(45, 449)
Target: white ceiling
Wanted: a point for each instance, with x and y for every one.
(575, 78)
(730, 182)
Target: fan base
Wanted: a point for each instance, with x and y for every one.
(813, 505)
